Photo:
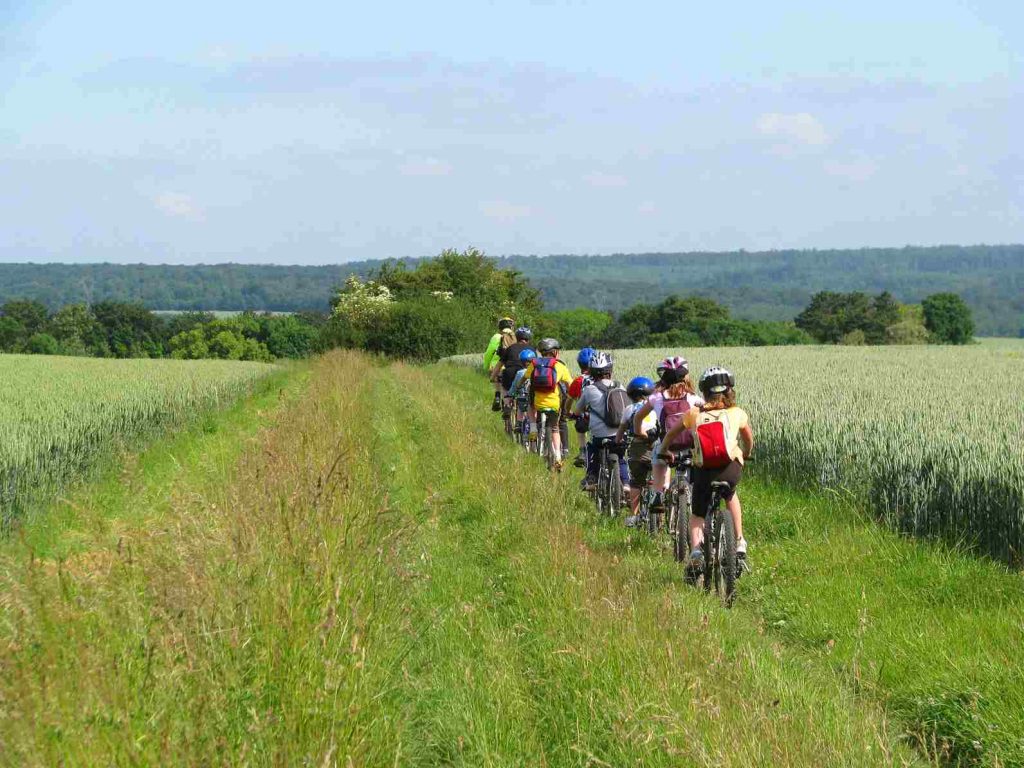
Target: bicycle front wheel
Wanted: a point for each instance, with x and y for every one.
(614, 484)
(726, 558)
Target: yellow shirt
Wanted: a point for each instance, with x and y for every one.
(734, 419)
(552, 399)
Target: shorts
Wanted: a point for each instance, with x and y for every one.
(639, 472)
(702, 480)
(554, 417)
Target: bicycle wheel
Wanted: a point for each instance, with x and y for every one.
(611, 465)
(601, 493)
(726, 558)
(549, 446)
(681, 507)
(654, 515)
(710, 547)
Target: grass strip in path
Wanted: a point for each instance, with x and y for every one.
(933, 634)
(530, 648)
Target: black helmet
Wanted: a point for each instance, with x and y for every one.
(506, 324)
(546, 345)
(601, 364)
(523, 334)
(715, 381)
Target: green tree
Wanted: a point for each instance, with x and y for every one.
(578, 327)
(42, 344)
(12, 335)
(31, 315)
(948, 318)
(910, 328)
(78, 331)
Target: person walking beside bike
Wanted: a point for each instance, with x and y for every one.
(606, 402)
(722, 441)
(549, 381)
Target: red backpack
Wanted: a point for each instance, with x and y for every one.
(711, 441)
(545, 375)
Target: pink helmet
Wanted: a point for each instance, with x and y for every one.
(672, 370)
(674, 364)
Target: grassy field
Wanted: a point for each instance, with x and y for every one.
(928, 437)
(361, 570)
(60, 415)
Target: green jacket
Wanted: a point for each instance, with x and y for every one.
(491, 355)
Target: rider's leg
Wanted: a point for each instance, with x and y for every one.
(556, 438)
(733, 505)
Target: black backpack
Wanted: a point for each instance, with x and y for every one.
(616, 401)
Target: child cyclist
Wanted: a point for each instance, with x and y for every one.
(520, 391)
(672, 399)
(605, 401)
(575, 390)
(722, 440)
(638, 455)
(549, 381)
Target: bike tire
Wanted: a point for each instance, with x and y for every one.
(683, 501)
(710, 546)
(727, 558)
(614, 484)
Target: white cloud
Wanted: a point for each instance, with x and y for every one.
(178, 206)
(799, 127)
(504, 211)
(605, 180)
(426, 166)
(852, 170)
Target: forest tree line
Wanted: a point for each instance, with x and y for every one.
(449, 305)
(774, 285)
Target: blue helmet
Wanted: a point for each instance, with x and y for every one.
(583, 358)
(639, 387)
(526, 356)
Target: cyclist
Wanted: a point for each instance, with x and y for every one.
(508, 365)
(503, 338)
(638, 455)
(575, 390)
(673, 398)
(549, 382)
(722, 440)
(606, 402)
(520, 391)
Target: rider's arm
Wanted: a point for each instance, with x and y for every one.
(639, 416)
(747, 440)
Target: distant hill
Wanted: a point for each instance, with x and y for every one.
(763, 285)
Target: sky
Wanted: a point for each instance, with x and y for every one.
(324, 132)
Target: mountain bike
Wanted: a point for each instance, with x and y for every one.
(608, 493)
(720, 562)
(522, 424)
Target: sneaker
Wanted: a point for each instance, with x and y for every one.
(558, 466)
(588, 485)
(579, 461)
(697, 559)
(496, 403)
(741, 557)
(632, 521)
(741, 548)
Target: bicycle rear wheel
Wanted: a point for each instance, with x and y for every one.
(726, 558)
(611, 465)
(681, 509)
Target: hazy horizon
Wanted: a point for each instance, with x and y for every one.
(319, 134)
